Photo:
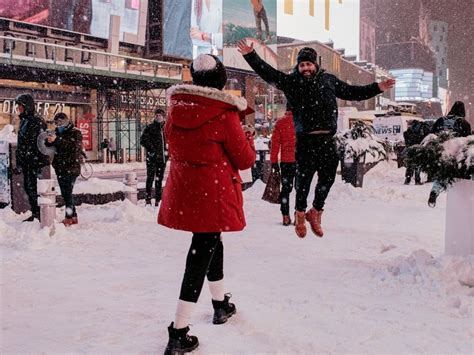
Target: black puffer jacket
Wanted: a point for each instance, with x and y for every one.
(28, 156)
(67, 160)
(313, 99)
(415, 134)
(153, 139)
(454, 121)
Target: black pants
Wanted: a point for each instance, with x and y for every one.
(315, 153)
(288, 173)
(154, 168)
(409, 173)
(66, 185)
(205, 257)
(30, 184)
(259, 17)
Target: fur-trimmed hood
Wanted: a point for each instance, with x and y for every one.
(191, 106)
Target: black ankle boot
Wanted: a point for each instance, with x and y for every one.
(223, 310)
(179, 341)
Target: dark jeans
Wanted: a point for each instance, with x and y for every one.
(409, 173)
(259, 17)
(30, 184)
(154, 168)
(113, 154)
(66, 184)
(205, 257)
(315, 153)
(288, 173)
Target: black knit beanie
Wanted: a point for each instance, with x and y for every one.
(307, 54)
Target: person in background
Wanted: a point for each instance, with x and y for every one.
(203, 193)
(413, 135)
(283, 143)
(66, 163)
(29, 159)
(456, 123)
(112, 150)
(153, 141)
(104, 145)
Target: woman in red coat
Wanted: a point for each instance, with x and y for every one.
(203, 195)
(284, 144)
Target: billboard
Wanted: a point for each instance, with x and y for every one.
(192, 27)
(91, 17)
(335, 21)
(413, 84)
(255, 22)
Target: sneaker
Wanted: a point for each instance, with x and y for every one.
(300, 224)
(223, 310)
(286, 220)
(432, 199)
(179, 341)
(314, 216)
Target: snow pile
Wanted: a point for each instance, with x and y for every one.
(98, 186)
(461, 149)
(453, 275)
(7, 134)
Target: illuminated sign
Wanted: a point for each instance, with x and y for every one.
(334, 21)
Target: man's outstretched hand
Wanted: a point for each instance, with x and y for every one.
(386, 84)
(244, 48)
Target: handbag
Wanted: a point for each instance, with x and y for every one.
(272, 190)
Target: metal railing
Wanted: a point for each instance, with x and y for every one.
(50, 53)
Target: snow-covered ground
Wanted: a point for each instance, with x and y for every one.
(377, 282)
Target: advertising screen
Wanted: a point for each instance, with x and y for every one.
(335, 21)
(253, 21)
(192, 27)
(84, 16)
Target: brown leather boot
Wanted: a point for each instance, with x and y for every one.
(300, 224)
(286, 220)
(313, 216)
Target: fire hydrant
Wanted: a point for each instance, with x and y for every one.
(47, 202)
(131, 190)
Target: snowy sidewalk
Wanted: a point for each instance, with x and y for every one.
(371, 285)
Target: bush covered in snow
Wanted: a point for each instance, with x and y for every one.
(444, 157)
(359, 141)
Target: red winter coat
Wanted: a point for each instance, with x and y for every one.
(207, 148)
(283, 138)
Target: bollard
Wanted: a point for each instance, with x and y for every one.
(131, 191)
(47, 202)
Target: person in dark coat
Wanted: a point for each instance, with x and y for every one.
(203, 193)
(456, 123)
(413, 135)
(156, 155)
(67, 161)
(283, 144)
(312, 93)
(29, 159)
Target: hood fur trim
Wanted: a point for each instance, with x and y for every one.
(210, 93)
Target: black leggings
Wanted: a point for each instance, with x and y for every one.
(205, 257)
